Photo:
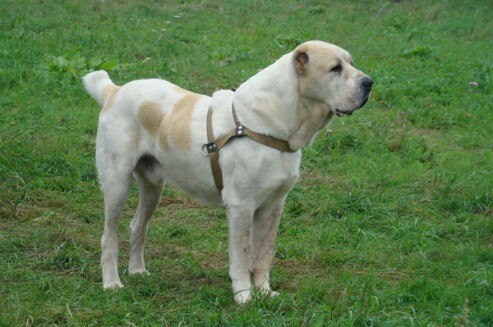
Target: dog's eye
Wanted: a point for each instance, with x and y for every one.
(336, 69)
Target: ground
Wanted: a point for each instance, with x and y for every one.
(391, 222)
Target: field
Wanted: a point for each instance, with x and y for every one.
(391, 221)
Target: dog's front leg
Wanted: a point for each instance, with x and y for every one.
(240, 251)
(265, 225)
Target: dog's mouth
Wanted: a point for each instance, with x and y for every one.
(341, 113)
(349, 112)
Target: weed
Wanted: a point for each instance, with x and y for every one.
(390, 223)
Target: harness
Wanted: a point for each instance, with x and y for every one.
(212, 148)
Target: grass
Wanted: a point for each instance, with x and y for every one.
(390, 225)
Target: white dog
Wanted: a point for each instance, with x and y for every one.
(154, 131)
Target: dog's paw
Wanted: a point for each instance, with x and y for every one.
(141, 271)
(269, 293)
(243, 297)
(112, 285)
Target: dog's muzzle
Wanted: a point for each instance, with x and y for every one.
(365, 87)
(366, 83)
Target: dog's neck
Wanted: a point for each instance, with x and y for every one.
(270, 103)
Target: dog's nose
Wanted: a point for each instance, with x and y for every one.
(367, 82)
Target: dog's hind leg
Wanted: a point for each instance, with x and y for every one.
(149, 176)
(265, 225)
(115, 191)
(115, 168)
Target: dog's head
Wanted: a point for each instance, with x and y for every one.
(326, 74)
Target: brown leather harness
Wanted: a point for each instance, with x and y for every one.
(212, 148)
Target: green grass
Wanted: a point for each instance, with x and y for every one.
(390, 225)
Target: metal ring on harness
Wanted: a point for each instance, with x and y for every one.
(208, 148)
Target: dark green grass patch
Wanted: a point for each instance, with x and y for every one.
(391, 222)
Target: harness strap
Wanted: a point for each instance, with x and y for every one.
(212, 148)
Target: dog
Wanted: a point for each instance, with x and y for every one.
(153, 131)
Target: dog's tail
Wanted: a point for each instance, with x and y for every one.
(99, 85)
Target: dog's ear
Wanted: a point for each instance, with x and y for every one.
(301, 62)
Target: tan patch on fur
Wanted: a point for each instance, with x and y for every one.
(180, 91)
(109, 94)
(178, 122)
(172, 127)
(155, 122)
(320, 56)
(163, 135)
(150, 116)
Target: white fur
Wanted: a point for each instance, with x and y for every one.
(95, 83)
(256, 178)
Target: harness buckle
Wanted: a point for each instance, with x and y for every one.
(239, 131)
(208, 148)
